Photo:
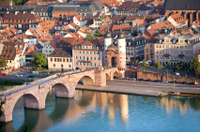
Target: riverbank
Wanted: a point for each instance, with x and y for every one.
(144, 88)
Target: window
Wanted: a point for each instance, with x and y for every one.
(67, 60)
(54, 65)
(51, 59)
(63, 59)
(70, 60)
(60, 59)
(55, 59)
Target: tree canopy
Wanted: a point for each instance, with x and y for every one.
(39, 60)
(16, 2)
(167, 66)
(98, 33)
(3, 62)
(194, 65)
(134, 33)
(144, 64)
(90, 36)
(181, 66)
(158, 65)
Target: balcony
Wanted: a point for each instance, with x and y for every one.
(84, 61)
(181, 55)
(166, 55)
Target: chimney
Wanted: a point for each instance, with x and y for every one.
(24, 12)
(7, 12)
(16, 12)
(32, 12)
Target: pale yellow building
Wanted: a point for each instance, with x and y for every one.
(60, 59)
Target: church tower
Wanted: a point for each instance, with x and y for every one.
(121, 43)
(107, 39)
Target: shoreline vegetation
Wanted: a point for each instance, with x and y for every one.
(13, 82)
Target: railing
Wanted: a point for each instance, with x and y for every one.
(50, 78)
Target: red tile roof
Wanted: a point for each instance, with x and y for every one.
(31, 50)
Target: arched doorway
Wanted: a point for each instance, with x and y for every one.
(113, 61)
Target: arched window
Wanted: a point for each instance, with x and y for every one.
(60, 17)
(64, 16)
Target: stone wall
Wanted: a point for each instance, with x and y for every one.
(139, 74)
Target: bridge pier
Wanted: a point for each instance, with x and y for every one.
(100, 78)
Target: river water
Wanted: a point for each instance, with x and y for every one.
(108, 112)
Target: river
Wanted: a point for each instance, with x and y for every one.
(108, 112)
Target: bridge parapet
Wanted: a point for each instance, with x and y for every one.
(35, 93)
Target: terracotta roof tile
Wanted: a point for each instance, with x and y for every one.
(31, 50)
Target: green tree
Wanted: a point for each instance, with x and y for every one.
(1, 107)
(131, 61)
(134, 33)
(158, 65)
(181, 66)
(167, 66)
(3, 62)
(90, 36)
(144, 64)
(18, 2)
(98, 33)
(39, 60)
(194, 64)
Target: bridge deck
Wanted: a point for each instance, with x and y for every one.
(42, 81)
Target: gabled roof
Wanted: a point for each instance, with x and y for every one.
(31, 50)
(181, 4)
(74, 25)
(86, 30)
(13, 30)
(76, 35)
(178, 18)
(123, 27)
(129, 6)
(40, 31)
(34, 33)
(143, 7)
(39, 46)
(61, 52)
(45, 39)
(104, 28)
(9, 32)
(47, 24)
(141, 23)
(79, 18)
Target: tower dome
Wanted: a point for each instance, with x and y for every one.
(107, 34)
(121, 34)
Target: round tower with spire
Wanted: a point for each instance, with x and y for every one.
(107, 39)
(121, 43)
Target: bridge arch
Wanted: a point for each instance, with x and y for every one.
(115, 74)
(87, 80)
(108, 77)
(30, 101)
(60, 90)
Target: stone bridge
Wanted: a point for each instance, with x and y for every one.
(34, 94)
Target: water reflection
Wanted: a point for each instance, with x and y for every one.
(110, 108)
(182, 103)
